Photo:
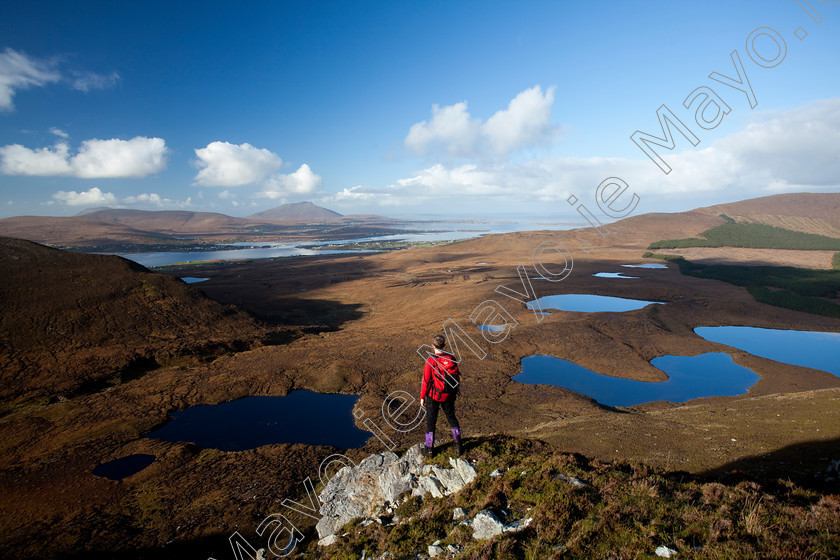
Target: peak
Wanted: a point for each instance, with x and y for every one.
(297, 212)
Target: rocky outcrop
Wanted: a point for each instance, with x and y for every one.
(381, 481)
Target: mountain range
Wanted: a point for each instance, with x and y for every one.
(107, 226)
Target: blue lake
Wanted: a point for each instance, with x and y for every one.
(588, 303)
(689, 377)
(193, 279)
(299, 417)
(120, 468)
(813, 349)
(445, 231)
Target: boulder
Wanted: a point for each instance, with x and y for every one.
(486, 525)
(328, 540)
(353, 492)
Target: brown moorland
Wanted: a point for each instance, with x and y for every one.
(357, 322)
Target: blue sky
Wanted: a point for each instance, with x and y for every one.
(473, 109)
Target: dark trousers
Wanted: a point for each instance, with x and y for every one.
(432, 414)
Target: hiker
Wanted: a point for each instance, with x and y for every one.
(441, 384)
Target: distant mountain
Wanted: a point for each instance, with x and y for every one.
(168, 221)
(87, 211)
(296, 212)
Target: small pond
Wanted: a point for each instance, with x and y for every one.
(612, 275)
(689, 377)
(123, 467)
(589, 303)
(299, 417)
(813, 349)
(646, 265)
(193, 279)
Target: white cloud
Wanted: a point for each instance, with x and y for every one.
(301, 182)
(787, 151)
(525, 122)
(96, 197)
(19, 160)
(137, 157)
(92, 197)
(18, 71)
(451, 129)
(453, 132)
(154, 199)
(58, 132)
(87, 81)
(224, 195)
(231, 165)
(99, 159)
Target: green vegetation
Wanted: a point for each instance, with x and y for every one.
(835, 261)
(800, 289)
(623, 511)
(753, 236)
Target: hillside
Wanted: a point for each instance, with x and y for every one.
(296, 212)
(74, 322)
(73, 231)
(529, 501)
(817, 213)
(169, 221)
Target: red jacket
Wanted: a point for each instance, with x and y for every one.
(434, 371)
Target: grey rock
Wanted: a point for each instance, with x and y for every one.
(570, 480)
(517, 525)
(353, 492)
(434, 550)
(665, 552)
(380, 482)
(328, 540)
(486, 525)
(465, 470)
(428, 485)
(458, 513)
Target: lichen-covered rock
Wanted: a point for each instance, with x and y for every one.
(486, 525)
(353, 492)
(380, 480)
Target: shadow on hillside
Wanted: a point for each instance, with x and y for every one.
(217, 546)
(808, 464)
(325, 314)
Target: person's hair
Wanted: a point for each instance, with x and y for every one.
(438, 341)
